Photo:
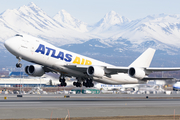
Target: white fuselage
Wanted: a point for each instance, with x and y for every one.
(40, 52)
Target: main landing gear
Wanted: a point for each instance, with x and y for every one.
(86, 83)
(77, 84)
(19, 65)
(62, 81)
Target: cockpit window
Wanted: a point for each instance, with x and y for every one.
(19, 35)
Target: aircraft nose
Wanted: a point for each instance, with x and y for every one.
(8, 43)
(12, 45)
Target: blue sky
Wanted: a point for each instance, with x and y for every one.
(91, 11)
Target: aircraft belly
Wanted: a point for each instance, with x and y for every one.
(67, 71)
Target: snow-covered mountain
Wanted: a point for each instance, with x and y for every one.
(162, 31)
(109, 25)
(162, 28)
(66, 19)
(32, 20)
(113, 36)
(65, 29)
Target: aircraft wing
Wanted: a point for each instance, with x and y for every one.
(115, 70)
(108, 70)
(162, 69)
(151, 69)
(81, 68)
(148, 78)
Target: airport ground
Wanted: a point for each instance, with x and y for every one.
(91, 106)
(26, 89)
(159, 117)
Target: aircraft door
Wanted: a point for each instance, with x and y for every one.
(38, 57)
(23, 46)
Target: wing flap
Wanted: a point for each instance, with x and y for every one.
(115, 70)
(81, 68)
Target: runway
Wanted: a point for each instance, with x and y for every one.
(83, 105)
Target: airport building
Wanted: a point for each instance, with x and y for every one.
(20, 78)
(17, 79)
(25, 82)
(18, 74)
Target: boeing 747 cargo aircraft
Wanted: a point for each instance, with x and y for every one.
(49, 58)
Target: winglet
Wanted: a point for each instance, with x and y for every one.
(144, 60)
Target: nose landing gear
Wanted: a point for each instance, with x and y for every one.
(19, 65)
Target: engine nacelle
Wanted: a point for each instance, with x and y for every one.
(95, 71)
(34, 70)
(137, 73)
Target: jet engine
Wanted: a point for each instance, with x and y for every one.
(95, 71)
(34, 70)
(136, 73)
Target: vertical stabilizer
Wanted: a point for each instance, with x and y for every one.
(144, 60)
